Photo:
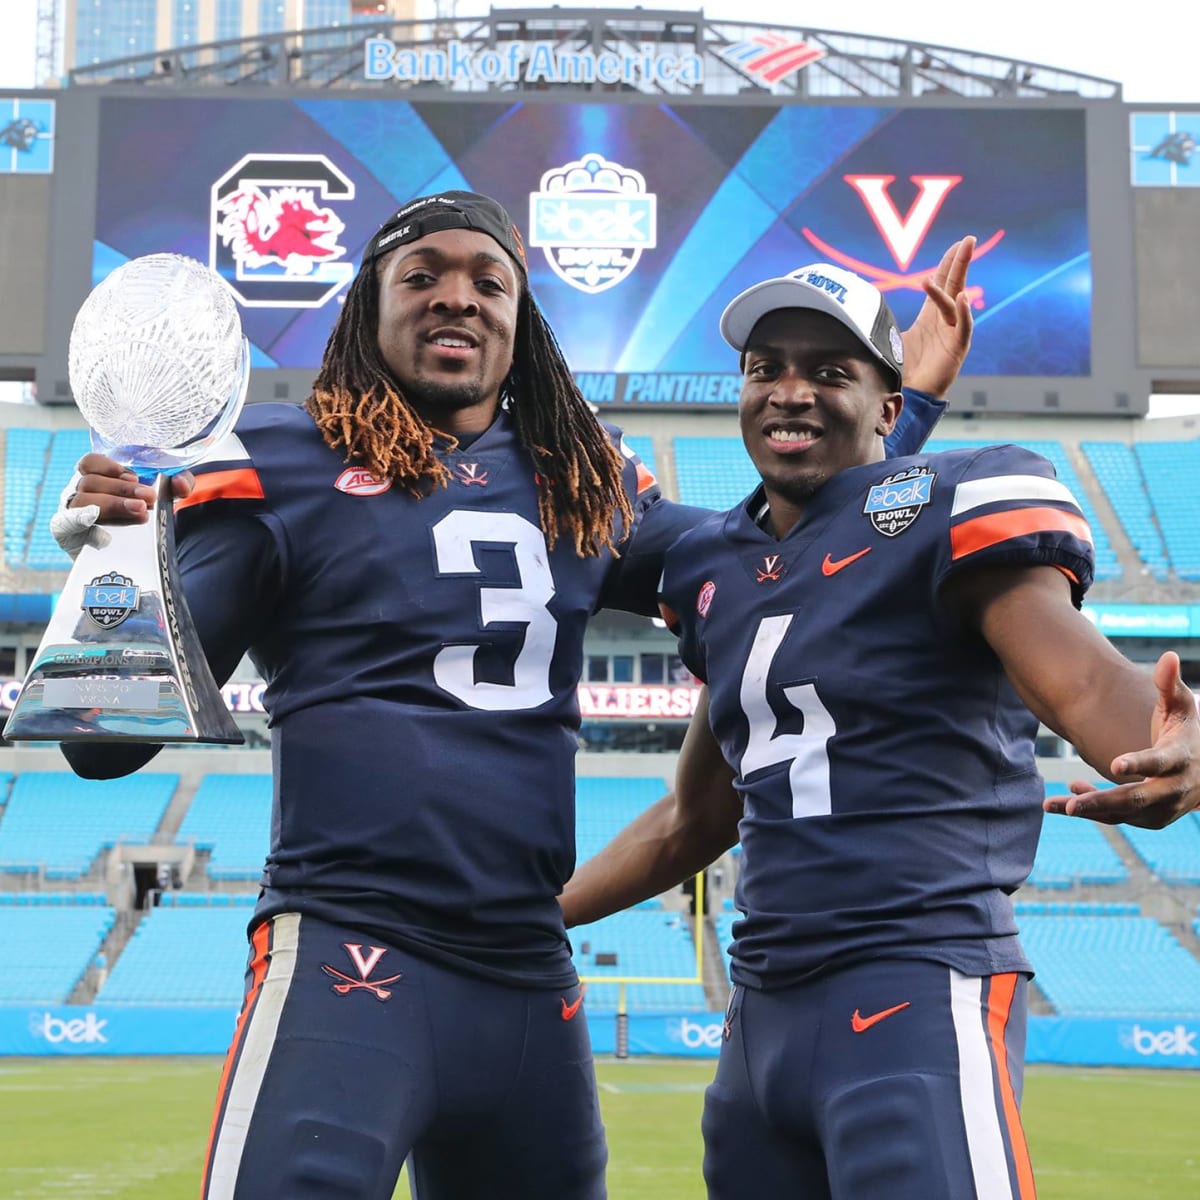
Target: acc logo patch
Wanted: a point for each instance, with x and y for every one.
(592, 219)
(358, 481)
(896, 503)
(704, 598)
(109, 599)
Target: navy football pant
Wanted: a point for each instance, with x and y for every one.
(349, 1056)
(896, 1080)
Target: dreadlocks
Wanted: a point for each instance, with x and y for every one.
(359, 409)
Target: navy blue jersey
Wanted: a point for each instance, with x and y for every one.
(892, 803)
(421, 658)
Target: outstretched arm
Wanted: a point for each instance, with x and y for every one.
(1138, 730)
(673, 839)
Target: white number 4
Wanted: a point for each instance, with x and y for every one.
(808, 751)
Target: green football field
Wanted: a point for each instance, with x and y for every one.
(134, 1129)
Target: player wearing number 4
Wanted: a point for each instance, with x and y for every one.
(879, 640)
(411, 561)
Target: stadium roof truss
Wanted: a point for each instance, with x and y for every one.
(724, 59)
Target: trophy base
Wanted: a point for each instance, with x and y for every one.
(120, 660)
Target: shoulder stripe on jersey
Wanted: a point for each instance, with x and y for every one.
(974, 493)
(981, 532)
(241, 483)
(645, 478)
(228, 450)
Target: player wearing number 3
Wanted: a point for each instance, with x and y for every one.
(411, 561)
(876, 638)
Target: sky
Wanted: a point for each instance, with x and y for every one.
(1150, 48)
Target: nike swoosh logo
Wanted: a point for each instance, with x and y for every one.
(569, 1010)
(829, 567)
(860, 1024)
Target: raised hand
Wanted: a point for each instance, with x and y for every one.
(936, 343)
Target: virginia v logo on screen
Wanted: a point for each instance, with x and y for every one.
(903, 234)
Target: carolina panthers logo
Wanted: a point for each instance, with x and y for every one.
(274, 237)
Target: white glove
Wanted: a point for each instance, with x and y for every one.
(74, 528)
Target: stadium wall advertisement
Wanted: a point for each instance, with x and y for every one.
(641, 220)
(111, 1030)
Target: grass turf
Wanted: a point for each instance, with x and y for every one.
(135, 1129)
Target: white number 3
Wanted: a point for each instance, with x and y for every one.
(455, 537)
(807, 751)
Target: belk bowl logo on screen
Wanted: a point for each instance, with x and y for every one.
(272, 235)
(592, 219)
(896, 503)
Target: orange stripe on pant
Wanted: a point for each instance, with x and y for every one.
(1000, 999)
(982, 532)
(261, 943)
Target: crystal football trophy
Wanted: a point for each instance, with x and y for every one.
(159, 369)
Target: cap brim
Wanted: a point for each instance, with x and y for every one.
(745, 311)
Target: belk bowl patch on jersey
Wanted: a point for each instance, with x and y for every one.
(896, 503)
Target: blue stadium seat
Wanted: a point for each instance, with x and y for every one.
(230, 815)
(1116, 467)
(646, 943)
(1172, 854)
(643, 447)
(25, 453)
(1170, 471)
(1112, 966)
(181, 956)
(48, 948)
(67, 447)
(58, 823)
(604, 805)
(1072, 852)
(713, 472)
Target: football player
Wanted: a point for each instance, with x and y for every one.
(411, 560)
(879, 640)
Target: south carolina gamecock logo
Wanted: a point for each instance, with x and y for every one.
(274, 237)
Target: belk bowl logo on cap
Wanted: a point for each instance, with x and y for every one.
(896, 503)
(592, 219)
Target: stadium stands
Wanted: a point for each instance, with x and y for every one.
(181, 955)
(1116, 468)
(1173, 856)
(48, 947)
(604, 806)
(1111, 966)
(230, 816)
(645, 942)
(25, 453)
(713, 472)
(643, 447)
(1170, 470)
(37, 465)
(56, 823)
(1074, 852)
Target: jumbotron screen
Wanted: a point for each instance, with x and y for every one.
(641, 220)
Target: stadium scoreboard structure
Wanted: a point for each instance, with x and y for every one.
(656, 164)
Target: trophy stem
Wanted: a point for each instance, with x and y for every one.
(121, 659)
